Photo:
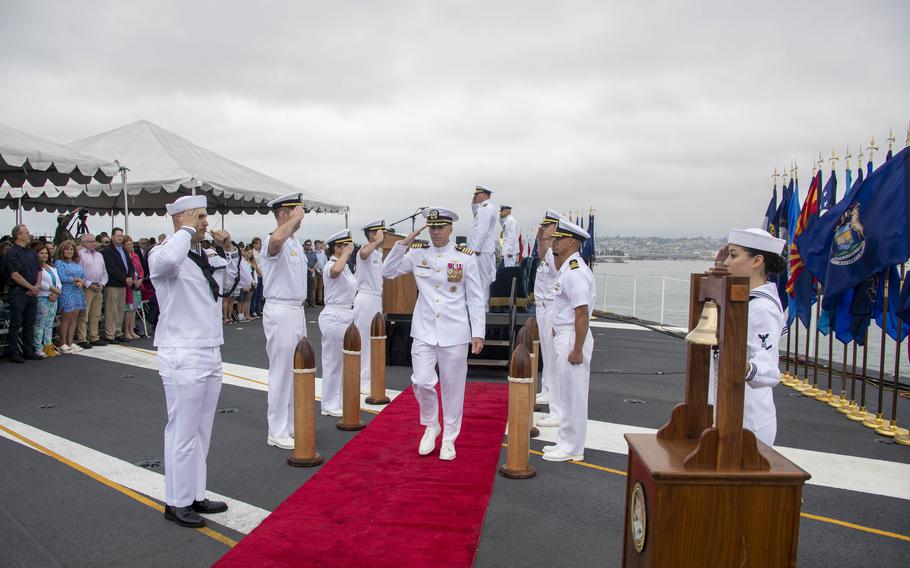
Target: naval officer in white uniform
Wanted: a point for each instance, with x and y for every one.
(284, 281)
(756, 254)
(336, 316)
(543, 302)
(510, 252)
(574, 293)
(448, 317)
(368, 301)
(483, 238)
(189, 337)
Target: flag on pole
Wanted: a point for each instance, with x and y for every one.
(587, 249)
(829, 193)
(800, 284)
(771, 210)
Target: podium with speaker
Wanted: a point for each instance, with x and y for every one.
(705, 492)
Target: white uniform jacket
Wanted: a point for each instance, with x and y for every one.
(190, 315)
(485, 230)
(369, 273)
(450, 302)
(510, 237)
(574, 287)
(543, 282)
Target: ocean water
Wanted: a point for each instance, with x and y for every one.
(658, 290)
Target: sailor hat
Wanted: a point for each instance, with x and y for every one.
(186, 203)
(566, 228)
(289, 200)
(552, 216)
(756, 239)
(439, 217)
(340, 238)
(482, 189)
(503, 207)
(375, 225)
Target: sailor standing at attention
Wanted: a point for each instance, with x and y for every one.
(484, 233)
(448, 317)
(368, 301)
(284, 280)
(189, 337)
(543, 302)
(574, 293)
(509, 236)
(336, 316)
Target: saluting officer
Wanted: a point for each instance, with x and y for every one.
(368, 301)
(484, 234)
(189, 337)
(509, 224)
(284, 281)
(449, 315)
(574, 293)
(336, 316)
(543, 302)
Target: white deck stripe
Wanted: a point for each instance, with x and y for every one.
(851, 473)
(241, 517)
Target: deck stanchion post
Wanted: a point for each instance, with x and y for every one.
(350, 387)
(304, 454)
(520, 384)
(377, 361)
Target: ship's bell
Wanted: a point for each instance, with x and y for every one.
(705, 333)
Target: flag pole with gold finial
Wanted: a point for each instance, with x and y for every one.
(829, 395)
(814, 391)
(840, 401)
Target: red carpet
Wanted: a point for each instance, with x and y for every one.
(378, 503)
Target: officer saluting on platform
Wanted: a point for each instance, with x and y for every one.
(449, 315)
(574, 293)
(368, 301)
(284, 281)
(189, 337)
(510, 246)
(484, 233)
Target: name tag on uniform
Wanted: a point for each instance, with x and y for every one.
(423, 271)
(455, 272)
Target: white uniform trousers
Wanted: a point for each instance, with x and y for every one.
(572, 382)
(192, 383)
(366, 306)
(333, 323)
(284, 324)
(486, 266)
(548, 383)
(453, 371)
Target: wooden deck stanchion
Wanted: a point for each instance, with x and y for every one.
(304, 454)
(516, 466)
(523, 337)
(350, 387)
(377, 361)
(531, 324)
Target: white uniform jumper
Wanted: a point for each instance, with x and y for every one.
(284, 281)
(334, 320)
(509, 241)
(188, 337)
(449, 312)
(484, 234)
(766, 323)
(543, 300)
(574, 287)
(367, 304)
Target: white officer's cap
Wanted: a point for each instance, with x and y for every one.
(340, 238)
(289, 200)
(439, 217)
(566, 228)
(375, 225)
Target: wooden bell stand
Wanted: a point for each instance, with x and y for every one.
(700, 494)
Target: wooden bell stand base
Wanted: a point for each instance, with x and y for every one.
(700, 494)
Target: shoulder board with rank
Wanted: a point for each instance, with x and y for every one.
(419, 245)
(573, 264)
(464, 249)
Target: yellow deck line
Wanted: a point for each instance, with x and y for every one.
(112, 484)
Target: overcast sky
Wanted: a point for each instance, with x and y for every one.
(667, 117)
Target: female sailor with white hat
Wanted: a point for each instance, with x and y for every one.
(336, 316)
(369, 292)
(756, 254)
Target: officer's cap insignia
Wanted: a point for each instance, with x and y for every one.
(573, 264)
(434, 214)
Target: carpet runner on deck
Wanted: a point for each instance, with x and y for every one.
(378, 503)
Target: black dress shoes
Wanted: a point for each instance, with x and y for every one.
(32, 357)
(208, 507)
(100, 343)
(85, 345)
(16, 359)
(183, 516)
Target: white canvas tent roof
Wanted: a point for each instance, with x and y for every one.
(26, 158)
(161, 166)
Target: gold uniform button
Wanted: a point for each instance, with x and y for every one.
(437, 316)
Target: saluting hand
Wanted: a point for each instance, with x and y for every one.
(223, 239)
(408, 240)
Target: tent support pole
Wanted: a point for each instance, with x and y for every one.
(126, 202)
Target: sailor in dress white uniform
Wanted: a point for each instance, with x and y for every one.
(509, 224)
(448, 317)
(189, 337)
(368, 301)
(483, 238)
(336, 316)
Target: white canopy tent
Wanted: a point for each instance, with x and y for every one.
(162, 166)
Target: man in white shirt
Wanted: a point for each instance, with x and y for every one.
(189, 337)
(484, 234)
(368, 301)
(509, 236)
(321, 259)
(284, 281)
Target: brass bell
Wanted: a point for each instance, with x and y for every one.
(705, 333)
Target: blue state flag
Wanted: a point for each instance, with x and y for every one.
(829, 193)
(770, 211)
(878, 310)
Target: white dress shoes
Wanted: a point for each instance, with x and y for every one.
(283, 443)
(364, 388)
(447, 451)
(336, 412)
(428, 442)
(547, 422)
(542, 399)
(548, 449)
(558, 455)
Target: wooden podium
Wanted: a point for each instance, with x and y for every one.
(700, 494)
(399, 296)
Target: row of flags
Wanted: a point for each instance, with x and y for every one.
(850, 249)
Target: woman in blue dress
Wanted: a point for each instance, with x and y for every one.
(72, 298)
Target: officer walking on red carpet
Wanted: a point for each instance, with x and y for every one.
(574, 293)
(189, 337)
(448, 317)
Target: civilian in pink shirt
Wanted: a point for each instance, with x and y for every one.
(95, 279)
